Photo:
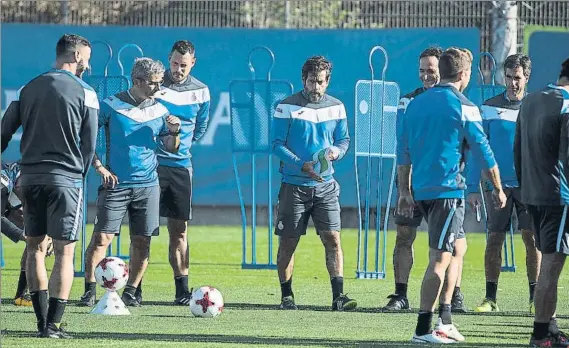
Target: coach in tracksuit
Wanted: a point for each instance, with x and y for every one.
(541, 155)
(435, 125)
(305, 124)
(499, 116)
(58, 114)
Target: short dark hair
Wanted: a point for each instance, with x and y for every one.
(183, 47)
(432, 52)
(315, 65)
(564, 69)
(452, 62)
(68, 43)
(518, 60)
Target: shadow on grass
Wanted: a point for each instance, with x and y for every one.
(246, 340)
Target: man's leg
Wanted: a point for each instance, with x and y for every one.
(403, 255)
(111, 209)
(533, 262)
(37, 278)
(179, 257)
(176, 205)
(445, 218)
(457, 302)
(285, 266)
(293, 207)
(449, 287)
(327, 221)
(60, 281)
(22, 298)
(144, 219)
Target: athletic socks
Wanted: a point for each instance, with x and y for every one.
(444, 314)
(286, 288)
(55, 311)
(337, 287)
(491, 290)
(532, 290)
(401, 289)
(22, 285)
(181, 283)
(39, 301)
(424, 323)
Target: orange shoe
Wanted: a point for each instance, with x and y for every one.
(24, 301)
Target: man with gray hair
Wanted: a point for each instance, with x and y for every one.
(136, 125)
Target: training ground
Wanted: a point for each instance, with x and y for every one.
(251, 317)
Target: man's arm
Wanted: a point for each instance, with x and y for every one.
(202, 118)
(89, 129)
(11, 121)
(476, 139)
(10, 230)
(281, 125)
(170, 134)
(518, 149)
(474, 171)
(341, 135)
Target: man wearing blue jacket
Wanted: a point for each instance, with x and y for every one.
(499, 115)
(436, 126)
(307, 125)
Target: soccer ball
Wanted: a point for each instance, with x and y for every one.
(111, 273)
(206, 302)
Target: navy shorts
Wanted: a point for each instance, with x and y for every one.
(141, 203)
(298, 203)
(175, 192)
(56, 211)
(445, 218)
(499, 220)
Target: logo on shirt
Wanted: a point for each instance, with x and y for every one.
(194, 98)
(280, 225)
(301, 112)
(279, 110)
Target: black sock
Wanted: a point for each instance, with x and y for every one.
(491, 290)
(39, 301)
(181, 285)
(553, 328)
(129, 289)
(138, 291)
(540, 330)
(456, 291)
(531, 290)
(444, 314)
(337, 287)
(55, 311)
(90, 286)
(286, 288)
(401, 289)
(424, 323)
(22, 285)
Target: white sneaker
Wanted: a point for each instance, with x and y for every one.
(434, 336)
(449, 330)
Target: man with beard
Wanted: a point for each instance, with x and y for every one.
(135, 124)
(499, 115)
(432, 133)
(58, 113)
(188, 99)
(307, 125)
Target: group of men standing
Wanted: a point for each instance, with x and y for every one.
(517, 150)
(518, 154)
(147, 171)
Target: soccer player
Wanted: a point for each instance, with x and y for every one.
(307, 123)
(432, 133)
(135, 124)
(188, 99)
(499, 115)
(58, 114)
(541, 155)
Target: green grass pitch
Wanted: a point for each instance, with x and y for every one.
(251, 317)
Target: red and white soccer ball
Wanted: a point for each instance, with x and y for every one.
(112, 273)
(206, 302)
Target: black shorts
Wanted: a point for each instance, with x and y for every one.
(499, 220)
(51, 210)
(551, 228)
(445, 218)
(175, 192)
(141, 203)
(298, 203)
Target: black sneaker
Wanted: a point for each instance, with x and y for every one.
(457, 303)
(88, 299)
(183, 300)
(287, 302)
(344, 303)
(396, 303)
(561, 338)
(53, 332)
(130, 300)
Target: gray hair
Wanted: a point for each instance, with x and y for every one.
(144, 68)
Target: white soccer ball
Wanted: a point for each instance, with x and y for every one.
(206, 302)
(112, 273)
